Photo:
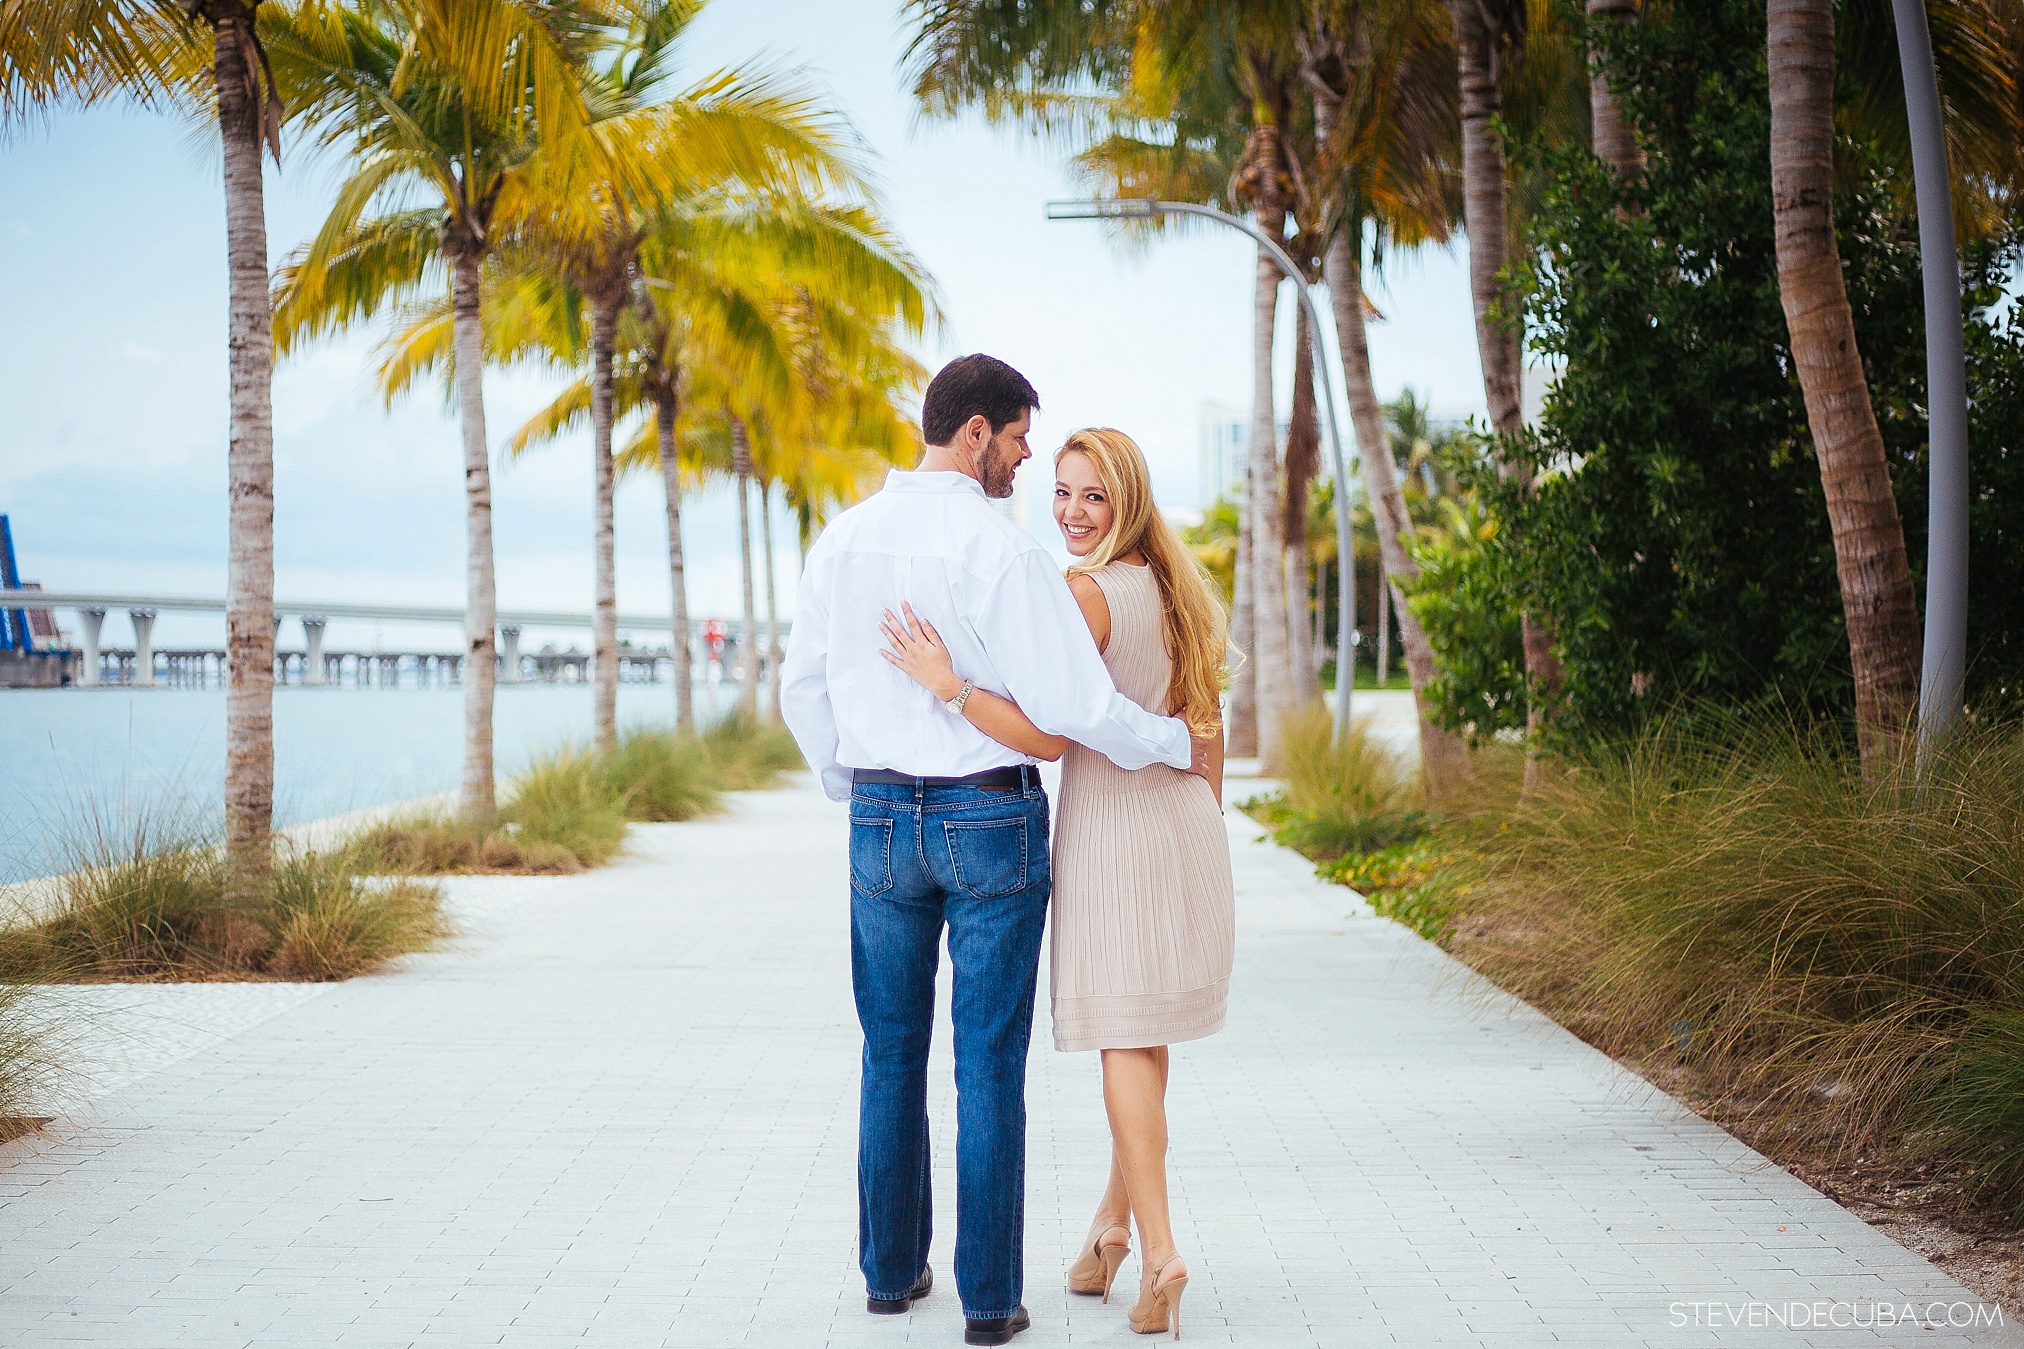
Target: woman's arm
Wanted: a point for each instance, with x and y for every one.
(918, 651)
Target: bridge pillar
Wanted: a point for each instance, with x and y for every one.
(509, 653)
(144, 647)
(312, 639)
(89, 624)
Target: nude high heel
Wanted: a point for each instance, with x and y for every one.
(1160, 1303)
(1095, 1270)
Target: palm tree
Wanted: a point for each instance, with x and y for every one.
(1385, 122)
(660, 149)
(1869, 541)
(758, 312)
(468, 104)
(201, 58)
(1490, 37)
(1611, 135)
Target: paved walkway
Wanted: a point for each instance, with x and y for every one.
(620, 1112)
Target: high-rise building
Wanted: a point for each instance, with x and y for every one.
(1222, 432)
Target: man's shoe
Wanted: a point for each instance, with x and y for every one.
(996, 1329)
(898, 1305)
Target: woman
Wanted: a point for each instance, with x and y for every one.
(1144, 912)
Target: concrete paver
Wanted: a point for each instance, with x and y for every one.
(620, 1110)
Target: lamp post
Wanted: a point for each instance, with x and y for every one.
(1139, 208)
(1946, 638)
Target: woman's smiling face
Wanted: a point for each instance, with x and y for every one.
(1082, 507)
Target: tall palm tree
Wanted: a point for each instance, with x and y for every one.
(1869, 541)
(661, 150)
(468, 105)
(201, 58)
(1490, 38)
(759, 315)
(1611, 135)
(1385, 117)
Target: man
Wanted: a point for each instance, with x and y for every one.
(946, 825)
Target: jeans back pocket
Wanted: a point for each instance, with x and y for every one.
(989, 856)
(871, 855)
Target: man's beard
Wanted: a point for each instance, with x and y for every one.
(995, 473)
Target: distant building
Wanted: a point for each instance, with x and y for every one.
(1222, 432)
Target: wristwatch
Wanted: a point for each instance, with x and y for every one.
(955, 704)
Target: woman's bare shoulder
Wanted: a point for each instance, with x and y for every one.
(1095, 608)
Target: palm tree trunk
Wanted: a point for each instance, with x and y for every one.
(671, 480)
(1486, 217)
(604, 613)
(1268, 561)
(1443, 757)
(772, 602)
(1869, 542)
(1303, 457)
(748, 635)
(1444, 760)
(1612, 139)
(1486, 214)
(249, 604)
(477, 799)
(1242, 715)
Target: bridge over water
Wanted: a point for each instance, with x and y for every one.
(51, 661)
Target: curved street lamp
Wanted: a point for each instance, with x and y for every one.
(1139, 208)
(1946, 640)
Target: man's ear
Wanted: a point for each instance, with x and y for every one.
(976, 432)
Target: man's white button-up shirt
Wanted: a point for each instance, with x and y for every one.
(932, 540)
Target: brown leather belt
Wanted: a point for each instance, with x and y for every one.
(1016, 777)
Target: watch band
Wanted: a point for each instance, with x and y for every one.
(955, 704)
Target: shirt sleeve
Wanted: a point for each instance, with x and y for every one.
(1041, 647)
(804, 686)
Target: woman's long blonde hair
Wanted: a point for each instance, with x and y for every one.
(1192, 622)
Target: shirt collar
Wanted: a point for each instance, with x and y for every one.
(945, 480)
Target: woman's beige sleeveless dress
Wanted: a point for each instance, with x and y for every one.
(1144, 909)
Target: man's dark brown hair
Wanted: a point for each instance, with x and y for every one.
(968, 386)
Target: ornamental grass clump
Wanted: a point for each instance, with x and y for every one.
(569, 810)
(1831, 965)
(1341, 798)
(28, 1066)
(146, 902)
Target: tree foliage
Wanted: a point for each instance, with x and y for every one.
(1678, 534)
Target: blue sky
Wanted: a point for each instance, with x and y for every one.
(112, 320)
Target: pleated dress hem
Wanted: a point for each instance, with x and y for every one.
(1139, 1020)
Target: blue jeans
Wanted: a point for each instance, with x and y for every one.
(976, 860)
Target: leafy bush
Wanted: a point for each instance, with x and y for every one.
(1412, 884)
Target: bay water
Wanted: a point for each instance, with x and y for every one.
(66, 754)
